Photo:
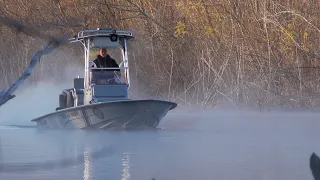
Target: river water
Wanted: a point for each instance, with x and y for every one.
(189, 145)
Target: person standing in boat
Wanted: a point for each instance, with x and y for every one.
(103, 60)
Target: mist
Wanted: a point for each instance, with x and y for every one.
(33, 100)
(216, 119)
(193, 143)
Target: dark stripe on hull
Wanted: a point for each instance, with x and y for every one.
(86, 117)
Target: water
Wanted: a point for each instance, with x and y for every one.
(194, 145)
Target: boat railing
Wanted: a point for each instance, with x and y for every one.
(106, 32)
(111, 68)
(102, 32)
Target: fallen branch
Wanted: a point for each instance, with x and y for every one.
(6, 95)
(314, 163)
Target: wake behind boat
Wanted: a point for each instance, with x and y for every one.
(100, 100)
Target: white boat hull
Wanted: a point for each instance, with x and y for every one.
(126, 114)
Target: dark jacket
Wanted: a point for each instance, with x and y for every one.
(106, 62)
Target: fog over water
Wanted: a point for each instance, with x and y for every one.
(190, 144)
(204, 145)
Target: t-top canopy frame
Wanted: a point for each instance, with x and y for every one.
(95, 38)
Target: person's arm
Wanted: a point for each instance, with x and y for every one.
(115, 64)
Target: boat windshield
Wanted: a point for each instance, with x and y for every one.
(109, 77)
(103, 71)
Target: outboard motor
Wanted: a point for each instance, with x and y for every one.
(66, 99)
(72, 97)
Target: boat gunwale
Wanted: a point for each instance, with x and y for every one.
(174, 105)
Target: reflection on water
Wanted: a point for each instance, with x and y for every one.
(87, 165)
(189, 146)
(126, 166)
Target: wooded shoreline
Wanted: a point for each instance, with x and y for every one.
(204, 53)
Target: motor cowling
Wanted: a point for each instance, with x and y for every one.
(66, 99)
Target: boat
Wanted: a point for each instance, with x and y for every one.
(99, 99)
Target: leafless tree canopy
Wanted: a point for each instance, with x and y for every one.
(202, 53)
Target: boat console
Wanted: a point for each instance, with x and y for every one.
(99, 84)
